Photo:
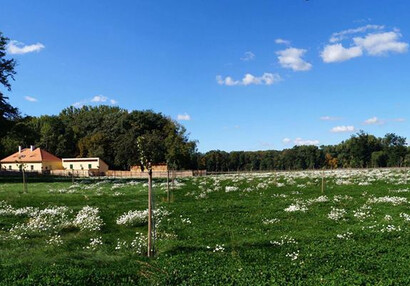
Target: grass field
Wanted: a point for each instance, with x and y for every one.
(245, 229)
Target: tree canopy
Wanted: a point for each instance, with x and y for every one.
(7, 72)
(359, 151)
(110, 133)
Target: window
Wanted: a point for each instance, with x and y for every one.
(71, 166)
(89, 166)
(9, 167)
(32, 167)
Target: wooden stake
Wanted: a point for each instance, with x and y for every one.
(24, 181)
(323, 181)
(274, 176)
(173, 179)
(167, 185)
(150, 213)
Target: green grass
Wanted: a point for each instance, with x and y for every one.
(251, 253)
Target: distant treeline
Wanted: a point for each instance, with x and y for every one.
(110, 133)
(361, 150)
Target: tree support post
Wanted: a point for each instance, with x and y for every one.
(323, 182)
(168, 196)
(24, 181)
(150, 254)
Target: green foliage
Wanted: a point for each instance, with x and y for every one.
(360, 151)
(110, 133)
(379, 159)
(8, 113)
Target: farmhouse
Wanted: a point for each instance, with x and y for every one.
(32, 160)
(85, 164)
(162, 167)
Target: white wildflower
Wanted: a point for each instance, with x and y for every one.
(55, 240)
(133, 217)
(298, 206)
(87, 219)
(293, 255)
(405, 216)
(336, 214)
(94, 243)
(219, 248)
(387, 199)
(231, 189)
(271, 221)
(388, 217)
(390, 228)
(346, 235)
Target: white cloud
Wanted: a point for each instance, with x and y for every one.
(339, 36)
(338, 53)
(99, 98)
(329, 118)
(374, 120)
(343, 128)
(377, 44)
(282, 41)
(31, 99)
(15, 47)
(292, 58)
(248, 79)
(300, 141)
(79, 104)
(96, 99)
(248, 56)
(227, 81)
(286, 141)
(184, 117)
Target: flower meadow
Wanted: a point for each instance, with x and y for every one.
(274, 228)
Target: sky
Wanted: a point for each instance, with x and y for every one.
(239, 75)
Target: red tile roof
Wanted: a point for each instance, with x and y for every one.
(28, 156)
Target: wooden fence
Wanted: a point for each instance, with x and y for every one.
(108, 174)
(172, 174)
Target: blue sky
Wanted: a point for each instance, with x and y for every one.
(239, 75)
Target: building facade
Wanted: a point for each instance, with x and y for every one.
(31, 160)
(85, 164)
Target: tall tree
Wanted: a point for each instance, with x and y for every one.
(395, 148)
(7, 72)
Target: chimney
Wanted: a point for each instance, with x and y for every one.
(19, 149)
(32, 148)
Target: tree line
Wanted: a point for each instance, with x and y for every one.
(361, 150)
